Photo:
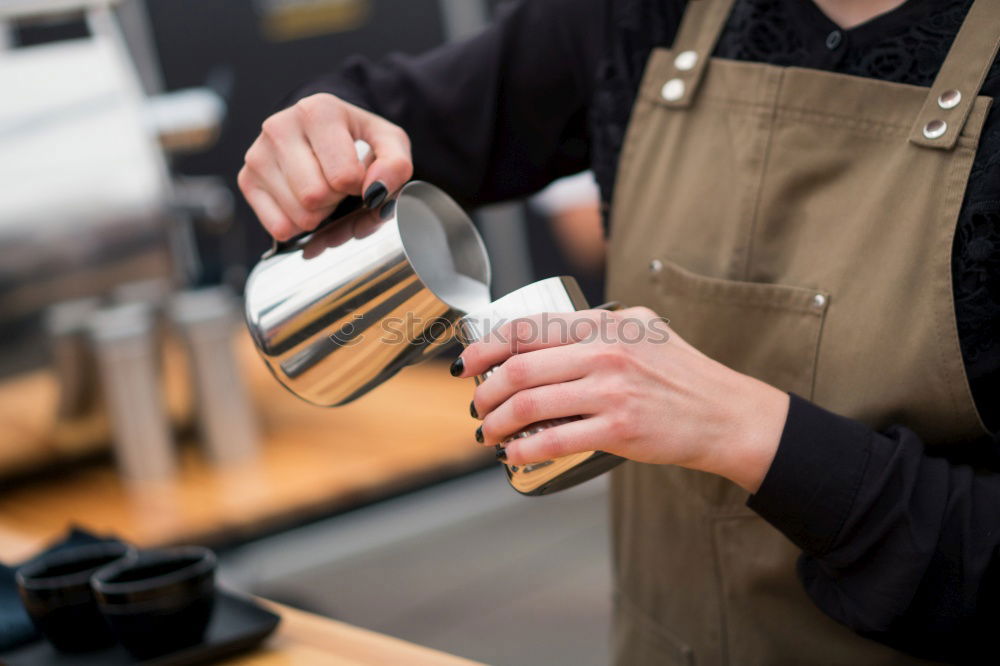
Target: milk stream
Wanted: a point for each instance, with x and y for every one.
(464, 293)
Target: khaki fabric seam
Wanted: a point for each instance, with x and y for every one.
(777, 84)
(948, 331)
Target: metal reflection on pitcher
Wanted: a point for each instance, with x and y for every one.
(310, 302)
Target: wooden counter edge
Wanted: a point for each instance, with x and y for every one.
(344, 641)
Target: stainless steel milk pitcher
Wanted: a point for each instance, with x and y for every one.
(336, 312)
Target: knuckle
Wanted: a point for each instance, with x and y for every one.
(551, 443)
(522, 330)
(611, 315)
(298, 219)
(281, 229)
(499, 335)
(587, 329)
(516, 370)
(244, 180)
(645, 312)
(304, 220)
(622, 428)
(254, 158)
(616, 394)
(315, 107)
(393, 132)
(640, 311)
(523, 407)
(608, 323)
(399, 164)
(399, 133)
(308, 106)
(313, 195)
(611, 357)
(496, 428)
(346, 180)
(273, 127)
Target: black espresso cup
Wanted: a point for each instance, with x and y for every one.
(159, 601)
(55, 590)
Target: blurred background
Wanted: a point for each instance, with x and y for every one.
(131, 401)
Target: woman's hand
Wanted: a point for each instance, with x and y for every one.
(304, 163)
(643, 392)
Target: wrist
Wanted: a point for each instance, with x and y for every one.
(756, 421)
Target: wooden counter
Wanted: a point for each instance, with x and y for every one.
(303, 639)
(413, 430)
(410, 431)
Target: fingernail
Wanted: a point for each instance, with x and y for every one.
(479, 435)
(472, 410)
(376, 194)
(501, 454)
(457, 367)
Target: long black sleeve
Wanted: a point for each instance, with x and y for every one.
(899, 542)
(497, 116)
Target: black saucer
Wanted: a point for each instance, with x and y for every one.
(237, 624)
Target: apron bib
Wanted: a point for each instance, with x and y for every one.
(797, 226)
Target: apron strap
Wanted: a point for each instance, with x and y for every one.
(951, 98)
(700, 28)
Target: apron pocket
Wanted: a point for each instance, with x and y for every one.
(768, 331)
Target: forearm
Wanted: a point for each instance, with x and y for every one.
(898, 544)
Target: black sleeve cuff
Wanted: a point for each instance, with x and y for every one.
(811, 485)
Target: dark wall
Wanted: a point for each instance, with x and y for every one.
(223, 43)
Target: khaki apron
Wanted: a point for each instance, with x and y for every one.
(797, 226)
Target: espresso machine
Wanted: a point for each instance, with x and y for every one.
(96, 238)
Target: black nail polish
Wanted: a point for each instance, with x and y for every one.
(479, 435)
(472, 410)
(501, 454)
(457, 367)
(375, 194)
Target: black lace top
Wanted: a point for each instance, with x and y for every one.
(906, 45)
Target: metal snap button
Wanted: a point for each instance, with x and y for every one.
(949, 99)
(819, 301)
(935, 129)
(655, 266)
(686, 60)
(834, 39)
(673, 90)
